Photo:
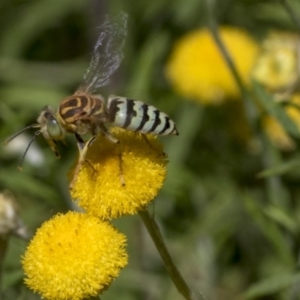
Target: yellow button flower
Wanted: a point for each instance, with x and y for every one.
(74, 256)
(277, 65)
(98, 187)
(274, 130)
(197, 69)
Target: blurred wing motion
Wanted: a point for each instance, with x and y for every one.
(107, 54)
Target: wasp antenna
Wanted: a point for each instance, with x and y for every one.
(18, 133)
(27, 148)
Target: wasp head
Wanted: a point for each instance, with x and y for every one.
(48, 126)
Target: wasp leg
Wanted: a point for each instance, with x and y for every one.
(119, 153)
(92, 167)
(110, 137)
(82, 147)
(80, 142)
(151, 146)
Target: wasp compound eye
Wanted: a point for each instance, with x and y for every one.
(54, 129)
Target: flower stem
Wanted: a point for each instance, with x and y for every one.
(246, 95)
(249, 108)
(157, 238)
(3, 247)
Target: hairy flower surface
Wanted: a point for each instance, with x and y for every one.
(73, 256)
(276, 132)
(277, 65)
(197, 69)
(143, 169)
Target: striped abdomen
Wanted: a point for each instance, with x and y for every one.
(138, 116)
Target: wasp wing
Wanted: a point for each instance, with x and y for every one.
(107, 54)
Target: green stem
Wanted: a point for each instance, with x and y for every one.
(274, 186)
(246, 95)
(157, 238)
(249, 108)
(3, 247)
(228, 59)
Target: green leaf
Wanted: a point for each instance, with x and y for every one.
(281, 169)
(142, 71)
(31, 97)
(12, 277)
(269, 229)
(36, 17)
(271, 285)
(275, 109)
(283, 218)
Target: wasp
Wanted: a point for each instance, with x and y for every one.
(86, 112)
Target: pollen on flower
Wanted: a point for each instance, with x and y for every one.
(74, 256)
(197, 69)
(143, 167)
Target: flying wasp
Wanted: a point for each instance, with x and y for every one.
(87, 112)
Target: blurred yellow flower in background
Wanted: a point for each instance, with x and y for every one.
(100, 191)
(275, 131)
(197, 69)
(74, 256)
(277, 67)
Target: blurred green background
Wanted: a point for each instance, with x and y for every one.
(232, 234)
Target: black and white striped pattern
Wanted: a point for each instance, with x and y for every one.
(138, 116)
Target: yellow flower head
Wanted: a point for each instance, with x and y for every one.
(197, 68)
(274, 130)
(74, 256)
(277, 65)
(143, 168)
